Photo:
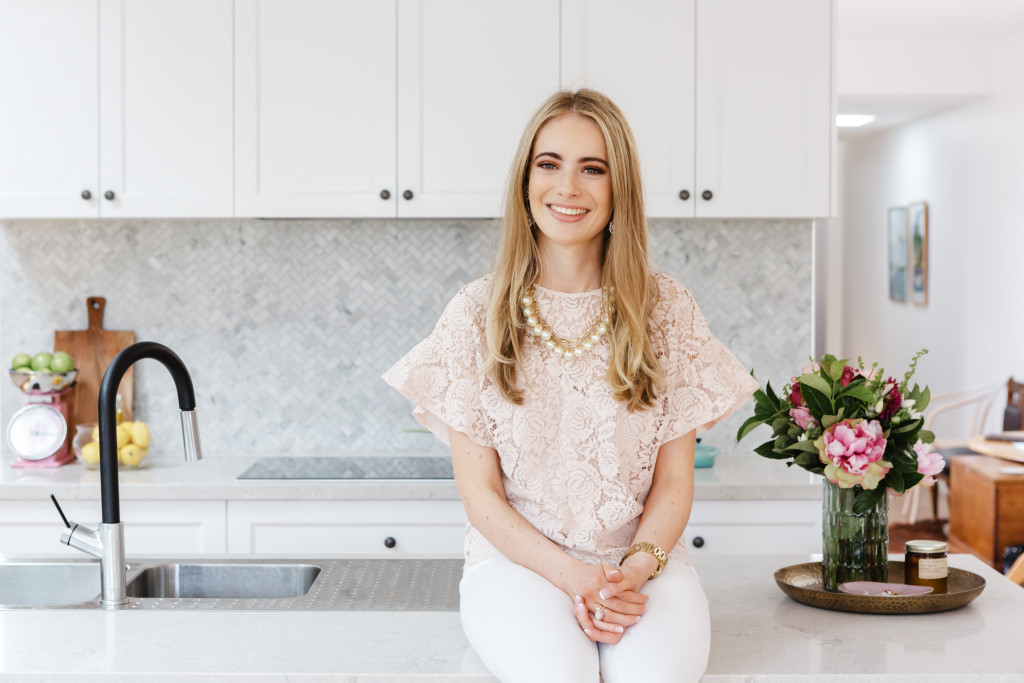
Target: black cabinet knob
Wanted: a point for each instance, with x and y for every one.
(390, 542)
(407, 194)
(706, 194)
(109, 194)
(86, 194)
(385, 194)
(698, 541)
(684, 194)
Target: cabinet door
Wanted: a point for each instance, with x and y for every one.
(315, 108)
(165, 108)
(470, 75)
(177, 527)
(643, 59)
(749, 527)
(764, 108)
(347, 527)
(48, 109)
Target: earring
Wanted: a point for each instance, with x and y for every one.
(611, 226)
(529, 219)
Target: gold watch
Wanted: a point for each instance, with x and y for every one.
(645, 547)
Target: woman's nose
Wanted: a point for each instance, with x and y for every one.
(568, 185)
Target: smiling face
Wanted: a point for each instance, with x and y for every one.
(570, 186)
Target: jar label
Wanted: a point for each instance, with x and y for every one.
(933, 568)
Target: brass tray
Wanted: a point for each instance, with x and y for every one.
(802, 582)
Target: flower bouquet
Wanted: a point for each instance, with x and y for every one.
(863, 432)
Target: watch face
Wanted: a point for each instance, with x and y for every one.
(36, 431)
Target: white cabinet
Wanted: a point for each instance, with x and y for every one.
(408, 108)
(115, 108)
(731, 101)
(349, 527)
(180, 527)
(754, 527)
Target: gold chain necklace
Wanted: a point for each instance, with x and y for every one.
(569, 348)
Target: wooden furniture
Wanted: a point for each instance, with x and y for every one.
(1004, 450)
(986, 507)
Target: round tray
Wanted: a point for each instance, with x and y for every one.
(802, 582)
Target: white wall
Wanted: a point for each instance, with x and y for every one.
(968, 164)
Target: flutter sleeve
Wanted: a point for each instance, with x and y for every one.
(705, 381)
(443, 373)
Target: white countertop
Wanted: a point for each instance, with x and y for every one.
(758, 636)
(740, 475)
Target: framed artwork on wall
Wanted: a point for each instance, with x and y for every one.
(898, 253)
(917, 222)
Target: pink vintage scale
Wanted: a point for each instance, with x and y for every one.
(38, 431)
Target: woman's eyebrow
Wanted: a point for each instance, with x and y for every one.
(582, 160)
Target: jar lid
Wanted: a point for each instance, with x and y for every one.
(926, 546)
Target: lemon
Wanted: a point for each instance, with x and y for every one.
(140, 434)
(130, 455)
(96, 433)
(91, 452)
(127, 425)
(124, 437)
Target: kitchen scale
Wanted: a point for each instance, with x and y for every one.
(38, 432)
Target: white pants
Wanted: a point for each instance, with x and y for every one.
(524, 629)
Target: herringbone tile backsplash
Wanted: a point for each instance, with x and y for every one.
(286, 326)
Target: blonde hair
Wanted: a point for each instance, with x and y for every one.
(633, 369)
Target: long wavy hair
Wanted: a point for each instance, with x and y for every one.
(634, 372)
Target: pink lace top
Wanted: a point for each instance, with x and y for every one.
(575, 463)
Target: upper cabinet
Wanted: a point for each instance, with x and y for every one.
(116, 108)
(401, 108)
(371, 109)
(731, 101)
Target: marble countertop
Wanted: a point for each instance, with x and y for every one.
(758, 636)
(739, 475)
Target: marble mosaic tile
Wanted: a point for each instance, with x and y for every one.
(287, 325)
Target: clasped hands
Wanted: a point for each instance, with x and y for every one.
(617, 590)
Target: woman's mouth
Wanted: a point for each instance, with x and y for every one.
(570, 214)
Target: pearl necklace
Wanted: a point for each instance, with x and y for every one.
(569, 348)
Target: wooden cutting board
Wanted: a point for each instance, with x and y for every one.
(93, 349)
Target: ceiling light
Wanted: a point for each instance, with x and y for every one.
(853, 120)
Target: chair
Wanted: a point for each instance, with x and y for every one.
(1016, 573)
(1013, 417)
(981, 398)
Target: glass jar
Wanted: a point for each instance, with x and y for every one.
(925, 565)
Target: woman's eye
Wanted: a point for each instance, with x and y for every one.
(594, 170)
(546, 164)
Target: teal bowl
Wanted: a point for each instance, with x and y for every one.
(705, 455)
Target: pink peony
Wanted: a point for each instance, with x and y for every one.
(852, 451)
(929, 463)
(803, 418)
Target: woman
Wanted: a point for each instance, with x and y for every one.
(570, 384)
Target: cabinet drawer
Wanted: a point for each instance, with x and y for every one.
(347, 527)
(748, 527)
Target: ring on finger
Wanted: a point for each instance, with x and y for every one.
(599, 613)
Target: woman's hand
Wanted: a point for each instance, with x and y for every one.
(602, 586)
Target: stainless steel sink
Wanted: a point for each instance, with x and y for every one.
(240, 583)
(48, 583)
(224, 581)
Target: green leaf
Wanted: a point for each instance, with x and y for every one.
(771, 395)
(909, 427)
(894, 480)
(806, 446)
(817, 402)
(750, 425)
(835, 370)
(858, 391)
(781, 425)
(912, 479)
(807, 460)
(817, 382)
(767, 450)
(784, 441)
(829, 420)
(867, 499)
(926, 436)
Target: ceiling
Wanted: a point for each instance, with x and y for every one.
(940, 21)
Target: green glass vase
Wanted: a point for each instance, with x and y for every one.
(855, 546)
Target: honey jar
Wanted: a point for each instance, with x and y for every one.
(925, 565)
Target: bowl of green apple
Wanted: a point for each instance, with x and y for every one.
(43, 373)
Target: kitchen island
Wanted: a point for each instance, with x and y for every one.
(758, 635)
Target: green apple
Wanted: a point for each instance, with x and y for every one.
(62, 362)
(22, 360)
(41, 361)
